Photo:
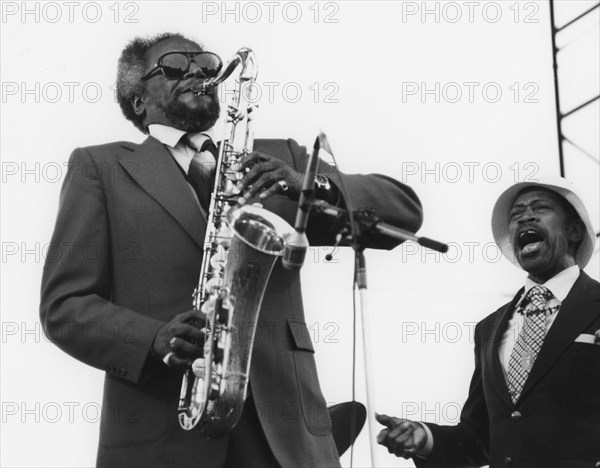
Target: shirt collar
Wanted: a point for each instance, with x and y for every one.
(170, 136)
(560, 284)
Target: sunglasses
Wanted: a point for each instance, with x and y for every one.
(174, 65)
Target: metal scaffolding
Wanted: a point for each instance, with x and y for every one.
(560, 114)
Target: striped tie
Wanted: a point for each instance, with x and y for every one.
(530, 340)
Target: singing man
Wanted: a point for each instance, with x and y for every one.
(534, 399)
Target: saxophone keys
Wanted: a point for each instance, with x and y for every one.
(236, 115)
(217, 261)
(214, 391)
(208, 306)
(212, 285)
(224, 237)
(199, 368)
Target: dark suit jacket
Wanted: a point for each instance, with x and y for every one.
(556, 421)
(134, 235)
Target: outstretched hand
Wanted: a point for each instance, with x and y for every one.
(402, 437)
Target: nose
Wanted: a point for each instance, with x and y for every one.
(194, 71)
(527, 215)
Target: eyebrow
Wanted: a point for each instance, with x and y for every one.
(532, 202)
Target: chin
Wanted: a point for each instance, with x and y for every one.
(535, 263)
(541, 269)
(196, 118)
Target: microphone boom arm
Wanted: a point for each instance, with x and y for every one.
(375, 225)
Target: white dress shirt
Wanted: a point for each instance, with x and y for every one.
(171, 137)
(182, 153)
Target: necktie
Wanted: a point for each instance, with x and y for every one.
(202, 169)
(530, 339)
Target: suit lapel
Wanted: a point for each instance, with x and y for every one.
(153, 168)
(492, 353)
(578, 310)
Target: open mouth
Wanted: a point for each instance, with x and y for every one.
(529, 241)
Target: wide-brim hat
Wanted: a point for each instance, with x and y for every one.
(559, 185)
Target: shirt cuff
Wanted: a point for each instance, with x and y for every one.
(333, 195)
(428, 447)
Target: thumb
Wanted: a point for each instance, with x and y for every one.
(385, 420)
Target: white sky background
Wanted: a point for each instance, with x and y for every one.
(371, 63)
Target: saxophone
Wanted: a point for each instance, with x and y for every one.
(241, 246)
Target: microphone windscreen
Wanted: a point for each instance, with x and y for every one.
(296, 245)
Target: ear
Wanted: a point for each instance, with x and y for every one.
(138, 104)
(575, 231)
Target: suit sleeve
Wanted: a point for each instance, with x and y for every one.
(76, 311)
(375, 194)
(465, 445)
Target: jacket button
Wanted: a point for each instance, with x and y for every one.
(516, 416)
(508, 461)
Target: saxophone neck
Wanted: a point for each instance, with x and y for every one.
(244, 58)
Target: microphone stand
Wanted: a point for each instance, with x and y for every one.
(360, 284)
(362, 225)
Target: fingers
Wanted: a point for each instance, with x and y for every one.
(182, 336)
(402, 433)
(178, 362)
(190, 316)
(389, 421)
(255, 165)
(382, 436)
(188, 331)
(272, 190)
(401, 437)
(259, 182)
(419, 437)
(187, 337)
(254, 158)
(262, 177)
(186, 349)
(386, 420)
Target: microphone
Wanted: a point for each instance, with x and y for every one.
(297, 242)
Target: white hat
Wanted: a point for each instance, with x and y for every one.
(559, 185)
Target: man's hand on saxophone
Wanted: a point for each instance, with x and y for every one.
(178, 342)
(266, 176)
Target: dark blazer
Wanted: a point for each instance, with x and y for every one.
(556, 421)
(134, 234)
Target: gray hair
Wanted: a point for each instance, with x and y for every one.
(130, 70)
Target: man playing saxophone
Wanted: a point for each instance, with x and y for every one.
(143, 207)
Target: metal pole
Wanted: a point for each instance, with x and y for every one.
(556, 92)
(361, 284)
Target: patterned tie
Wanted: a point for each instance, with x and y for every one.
(202, 170)
(530, 340)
